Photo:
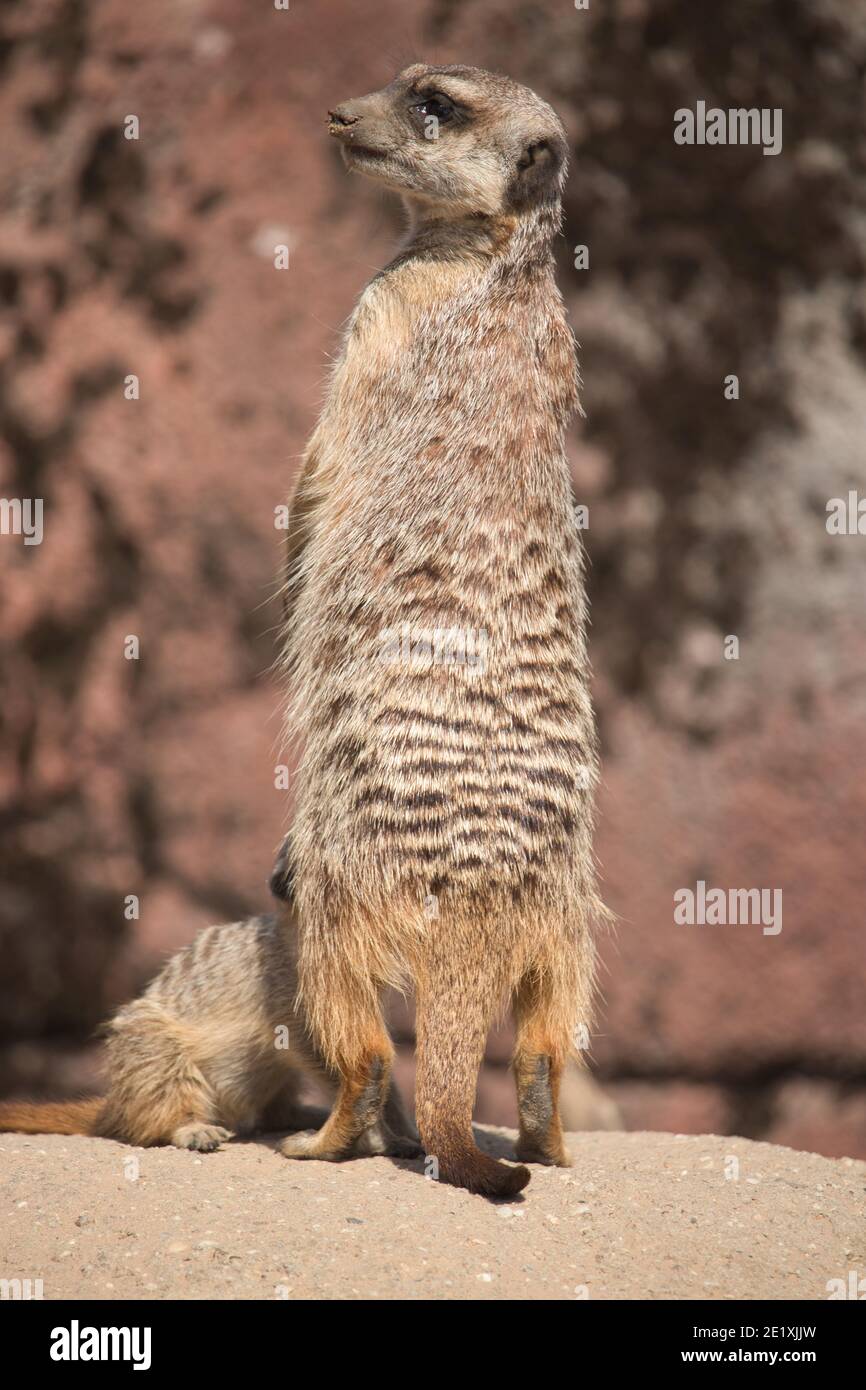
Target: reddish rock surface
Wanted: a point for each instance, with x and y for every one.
(155, 777)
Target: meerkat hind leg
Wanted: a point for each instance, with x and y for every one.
(359, 1068)
(539, 1058)
(393, 1133)
(357, 1124)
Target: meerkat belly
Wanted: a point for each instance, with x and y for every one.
(449, 738)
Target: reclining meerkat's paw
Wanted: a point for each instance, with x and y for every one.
(201, 1137)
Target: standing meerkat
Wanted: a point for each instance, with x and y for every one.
(434, 636)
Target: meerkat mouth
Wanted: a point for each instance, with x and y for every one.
(365, 152)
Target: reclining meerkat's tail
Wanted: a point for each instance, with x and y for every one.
(451, 1032)
(51, 1117)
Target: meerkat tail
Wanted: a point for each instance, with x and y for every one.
(450, 1045)
(51, 1117)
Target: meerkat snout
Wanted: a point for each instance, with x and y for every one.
(457, 140)
(340, 119)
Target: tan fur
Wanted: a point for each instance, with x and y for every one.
(196, 1057)
(51, 1117)
(444, 814)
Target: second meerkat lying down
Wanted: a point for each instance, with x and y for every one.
(215, 1046)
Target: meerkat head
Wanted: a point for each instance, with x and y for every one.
(459, 141)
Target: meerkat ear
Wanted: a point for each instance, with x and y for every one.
(539, 170)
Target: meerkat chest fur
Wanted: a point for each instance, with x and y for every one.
(441, 661)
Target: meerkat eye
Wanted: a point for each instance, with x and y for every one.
(437, 106)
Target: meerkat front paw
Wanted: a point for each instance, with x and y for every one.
(203, 1138)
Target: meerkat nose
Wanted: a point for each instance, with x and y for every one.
(342, 117)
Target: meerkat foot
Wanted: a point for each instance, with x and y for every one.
(538, 1065)
(528, 1152)
(203, 1138)
(358, 1124)
(373, 1143)
(308, 1143)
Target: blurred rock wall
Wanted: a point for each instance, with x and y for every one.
(154, 257)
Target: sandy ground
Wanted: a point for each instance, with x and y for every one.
(638, 1216)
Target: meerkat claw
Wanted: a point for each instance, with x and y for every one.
(203, 1138)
